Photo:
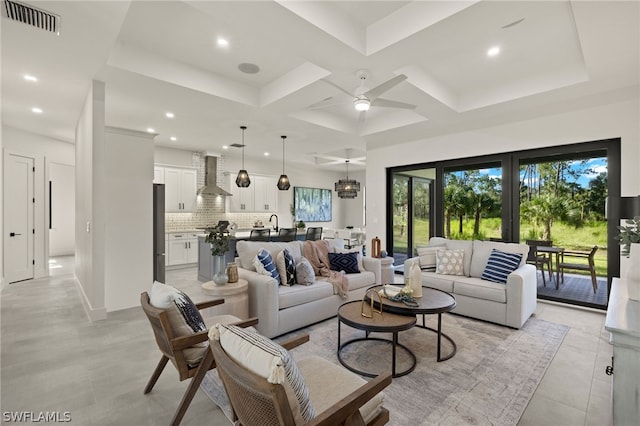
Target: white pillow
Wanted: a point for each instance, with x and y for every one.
(427, 257)
(450, 262)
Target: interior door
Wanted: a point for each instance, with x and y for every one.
(19, 213)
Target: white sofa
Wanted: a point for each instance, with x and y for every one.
(509, 304)
(280, 308)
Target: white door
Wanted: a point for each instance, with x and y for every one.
(18, 218)
(172, 202)
(188, 188)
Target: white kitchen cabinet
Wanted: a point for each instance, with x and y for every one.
(266, 194)
(260, 196)
(180, 189)
(183, 248)
(158, 174)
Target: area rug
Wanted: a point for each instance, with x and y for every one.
(489, 381)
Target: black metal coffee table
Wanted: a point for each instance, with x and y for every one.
(433, 301)
(350, 314)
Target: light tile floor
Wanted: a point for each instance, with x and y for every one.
(54, 359)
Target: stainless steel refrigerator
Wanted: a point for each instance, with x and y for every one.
(158, 233)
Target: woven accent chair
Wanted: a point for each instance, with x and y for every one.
(540, 259)
(172, 349)
(338, 396)
(287, 234)
(314, 233)
(262, 234)
(573, 265)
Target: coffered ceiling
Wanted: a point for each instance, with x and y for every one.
(158, 57)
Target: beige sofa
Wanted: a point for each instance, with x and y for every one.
(509, 304)
(280, 308)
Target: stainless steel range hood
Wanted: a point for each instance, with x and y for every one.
(210, 182)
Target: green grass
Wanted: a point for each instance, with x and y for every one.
(562, 235)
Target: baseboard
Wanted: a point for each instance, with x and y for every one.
(92, 314)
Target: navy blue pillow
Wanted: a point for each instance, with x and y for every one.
(268, 266)
(500, 265)
(347, 262)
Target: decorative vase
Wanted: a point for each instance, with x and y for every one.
(220, 276)
(415, 280)
(232, 272)
(632, 273)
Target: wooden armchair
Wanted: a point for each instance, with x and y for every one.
(337, 394)
(569, 260)
(172, 348)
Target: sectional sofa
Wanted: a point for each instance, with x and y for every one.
(510, 303)
(281, 308)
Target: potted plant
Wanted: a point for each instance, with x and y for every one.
(219, 241)
(301, 225)
(629, 234)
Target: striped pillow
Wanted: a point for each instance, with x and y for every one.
(264, 264)
(286, 266)
(267, 359)
(500, 265)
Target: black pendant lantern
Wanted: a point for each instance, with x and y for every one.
(283, 182)
(243, 181)
(347, 188)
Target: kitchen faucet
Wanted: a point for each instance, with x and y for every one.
(271, 217)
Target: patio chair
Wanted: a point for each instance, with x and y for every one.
(287, 234)
(569, 261)
(172, 348)
(260, 234)
(540, 259)
(338, 396)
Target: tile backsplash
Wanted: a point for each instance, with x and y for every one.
(210, 209)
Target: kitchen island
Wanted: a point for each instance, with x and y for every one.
(205, 259)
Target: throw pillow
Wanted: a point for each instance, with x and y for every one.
(450, 262)
(286, 266)
(304, 272)
(264, 357)
(427, 256)
(347, 262)
(184, 317)
(357, 251)
(500, 265)
(264, 264)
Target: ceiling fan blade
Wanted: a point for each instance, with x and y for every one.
(379, 102)
(338, 87)
(387, 85)
(325, 103)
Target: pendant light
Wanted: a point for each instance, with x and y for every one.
(243, 181)
(347, 188)
(283, 182)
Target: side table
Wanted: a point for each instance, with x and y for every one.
(387, 270)
(235, 295)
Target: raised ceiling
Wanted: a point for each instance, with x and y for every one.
(162, 56)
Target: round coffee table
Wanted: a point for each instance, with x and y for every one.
(350, 314)
(433, 301)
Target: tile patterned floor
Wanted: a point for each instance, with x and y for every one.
(53, 358)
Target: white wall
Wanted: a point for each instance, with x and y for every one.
(90, 224)
(128, 220)
(45, 151)
(62, 232)
(597, 123)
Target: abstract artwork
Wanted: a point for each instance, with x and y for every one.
(312, 204)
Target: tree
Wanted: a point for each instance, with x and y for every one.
(543, 210)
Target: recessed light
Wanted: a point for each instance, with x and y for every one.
(36, 110)
(173, 138)
(266, 154)
(151, 130)
(222, 42)
(169, 115)
(494, 51)
(225, 146)
(29, 77)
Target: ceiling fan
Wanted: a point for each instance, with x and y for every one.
(364, 98)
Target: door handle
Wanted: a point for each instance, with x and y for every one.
(13, 234)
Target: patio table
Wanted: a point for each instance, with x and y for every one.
(558, 252)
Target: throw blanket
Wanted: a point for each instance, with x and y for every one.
(317, 252)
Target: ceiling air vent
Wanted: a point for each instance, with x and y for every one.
(30, 15)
